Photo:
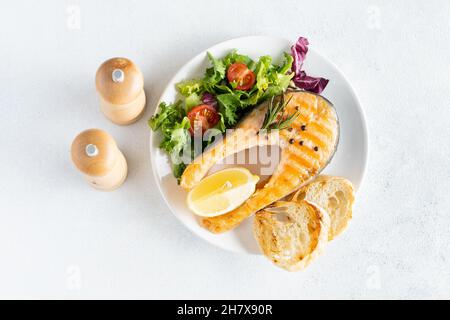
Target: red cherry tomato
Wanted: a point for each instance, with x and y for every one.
(242, 75)
(204, 116)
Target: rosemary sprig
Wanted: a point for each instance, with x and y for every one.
(275, 117)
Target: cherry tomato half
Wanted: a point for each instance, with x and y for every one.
(202, 115)
(242, 75)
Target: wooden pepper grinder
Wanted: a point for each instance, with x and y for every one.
(120, 85)
(96, 155)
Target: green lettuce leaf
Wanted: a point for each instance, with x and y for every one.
(188, 87)
(179, 138)
(287, 65)
(178, 170)
(192, 100)
(216, 73)
(221, 124)
(228, 107)
(262, 71)
(174, 126)
(168, 115)
(233, 57)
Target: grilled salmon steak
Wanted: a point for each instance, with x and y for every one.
(306, 148)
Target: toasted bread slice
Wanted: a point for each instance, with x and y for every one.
(291, 234)
(335, 195)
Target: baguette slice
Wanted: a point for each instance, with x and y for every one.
(291, 234)
(335, 195)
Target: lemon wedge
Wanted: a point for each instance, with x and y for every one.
(222, 192)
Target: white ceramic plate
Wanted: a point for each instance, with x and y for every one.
(349, 161)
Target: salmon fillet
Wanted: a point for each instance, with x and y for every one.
(306, 148)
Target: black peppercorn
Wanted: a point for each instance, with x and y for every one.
(301, 142)
(303, 127)
(291, 141)
(316, 149)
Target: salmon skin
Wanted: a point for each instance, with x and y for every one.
(306, 148)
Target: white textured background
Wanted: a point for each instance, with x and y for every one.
(61, 239)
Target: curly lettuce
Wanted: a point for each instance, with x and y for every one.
(174, 126)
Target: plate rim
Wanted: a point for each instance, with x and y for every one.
(202, 52)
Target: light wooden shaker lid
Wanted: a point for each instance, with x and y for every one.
(94, 152)
(119, 80)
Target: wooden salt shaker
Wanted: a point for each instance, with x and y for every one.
(96, 155)
(120, 85)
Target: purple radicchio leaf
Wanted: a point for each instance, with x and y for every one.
(299, 51)
(209, 99)
(313, 84)
(301, 79)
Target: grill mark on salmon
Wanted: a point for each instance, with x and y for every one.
(296, 157)
(317, 141)
(298, 163)
(321, 129)
(311, 153)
